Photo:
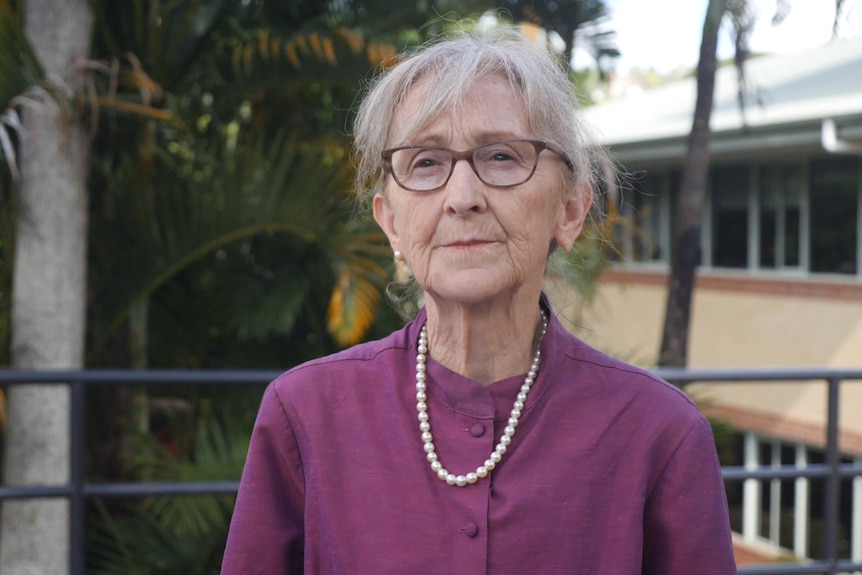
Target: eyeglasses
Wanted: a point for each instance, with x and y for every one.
(501, 164)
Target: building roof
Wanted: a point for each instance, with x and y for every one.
(787, 99)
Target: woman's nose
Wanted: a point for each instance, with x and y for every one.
(465, 192)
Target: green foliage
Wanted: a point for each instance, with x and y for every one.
(176, 535)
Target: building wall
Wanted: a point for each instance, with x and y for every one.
(742, 321)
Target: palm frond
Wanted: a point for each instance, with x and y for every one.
(20, 74)
(340, 56)
(361, 278)
(168, 37)
(256, 187)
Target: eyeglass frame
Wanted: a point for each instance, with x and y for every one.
(458, 155)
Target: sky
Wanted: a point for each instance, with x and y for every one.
(648, 38)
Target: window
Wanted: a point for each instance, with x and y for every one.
(643, 233)
(781, 191)
(834, 198)
(730, 216)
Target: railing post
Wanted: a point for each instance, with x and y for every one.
(801, 506)
(751, 489)
(856, 519)
(833, 480)
(775, 497)
(77, 470)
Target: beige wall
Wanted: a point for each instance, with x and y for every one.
(741, 321)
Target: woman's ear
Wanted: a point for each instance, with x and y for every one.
(385, 218)
(576, 206)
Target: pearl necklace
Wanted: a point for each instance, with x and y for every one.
(508, 433)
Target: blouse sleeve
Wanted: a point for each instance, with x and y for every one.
(266, 530)
(686, 524)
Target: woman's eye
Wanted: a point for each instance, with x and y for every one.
(424, 163)
(428, 160)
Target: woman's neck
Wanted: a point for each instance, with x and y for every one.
(484, 342)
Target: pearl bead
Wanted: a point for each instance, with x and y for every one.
(425, 419)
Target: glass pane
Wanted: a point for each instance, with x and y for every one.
(730, 217)
(833, 215)
(781, 190)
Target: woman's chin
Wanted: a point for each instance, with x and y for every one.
(470, 286)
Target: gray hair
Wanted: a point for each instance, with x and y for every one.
(453, 66)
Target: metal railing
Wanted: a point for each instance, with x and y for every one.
(78, 490)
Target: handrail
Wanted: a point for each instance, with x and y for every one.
(78, 490)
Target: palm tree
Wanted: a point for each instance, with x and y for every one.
(49, 280)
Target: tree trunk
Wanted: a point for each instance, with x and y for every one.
(685, 254)
(49, 296)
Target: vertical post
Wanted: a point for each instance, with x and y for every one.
(856, 519)
(751, 490)
(833, 480)
(800, 506)
(775, 497)
(77, 507)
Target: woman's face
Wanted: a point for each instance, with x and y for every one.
(468, 241)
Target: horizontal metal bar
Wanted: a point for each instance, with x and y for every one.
(224, 377)
(123, 489)
(35, 491)
(138, 377)
(673, 374)
(814, 470)
(783, 472)
(812, 568)
(161, 488)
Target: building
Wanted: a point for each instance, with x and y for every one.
(780, 281)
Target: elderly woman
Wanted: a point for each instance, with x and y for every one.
(482, 437)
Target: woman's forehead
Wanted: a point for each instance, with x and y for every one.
(489, 108)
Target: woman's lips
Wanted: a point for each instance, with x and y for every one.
(467, 243)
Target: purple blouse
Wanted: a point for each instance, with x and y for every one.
(611, 472)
